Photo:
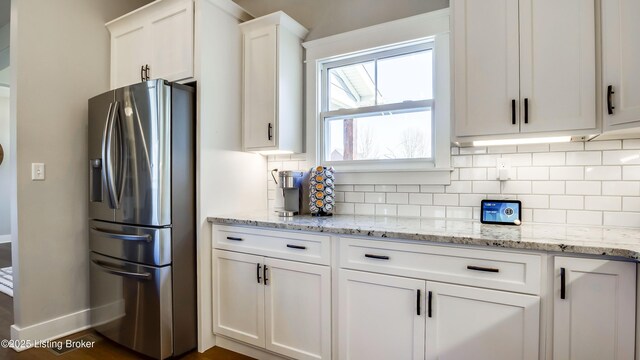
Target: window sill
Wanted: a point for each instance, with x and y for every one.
(433, 176)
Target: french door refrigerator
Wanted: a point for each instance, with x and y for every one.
(142, 217)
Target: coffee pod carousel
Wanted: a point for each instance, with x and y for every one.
(322, 191)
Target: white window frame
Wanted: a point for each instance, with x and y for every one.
(430, 27)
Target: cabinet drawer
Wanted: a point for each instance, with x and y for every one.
(295, 246)
(480, 268)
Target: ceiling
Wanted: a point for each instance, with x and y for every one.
(5, 12)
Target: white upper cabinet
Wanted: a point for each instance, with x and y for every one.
(620, 59)
(153, 42)
(272, 87)
(524, 66)
(594, 305)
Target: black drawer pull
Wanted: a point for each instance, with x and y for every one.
(264, 275)
(418, 302)
(429, 305)
(610, 106)
(234, 238)
(485, 269)
(258, 267)
(379, 257)
(563, 284)
(513, 112)
(297, 247)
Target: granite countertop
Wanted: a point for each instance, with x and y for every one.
(611, 241)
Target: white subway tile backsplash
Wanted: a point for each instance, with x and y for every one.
(533, 148)
(354, 197)
(397, 198)
(583, 187)
(458, 187)
(485, 160)
(621, 157)
(630, 188)
(459, 212)
(516, 187)
(409, 210)
(339, 196)
(572, 202)
(421, 199)
(471, 199)
(612, 203)
(548, 187)
(550, 216)
(375, 198)
(445, 199)
(548, 159)
(432, 188)
(533, 173)
(433, 211)
(527, 215)
(364, 209)
(462, 161)
(345, 208)
(473, 174)
(455, 150)
(534, 201)
(518, 159)
(455, 174)
(502, 149)
(344, 187)
(631, 219)
(365, 188)
(486, 187)
(473, 150)
(584, 158)
(603, 145)
(409, 188)
(385, 188)
(631, 203)
(631, 173)
(603, 173)
(386, 210)
(584, 217)
(568, 146)
(631, 144)
(566, 173)
(299, 157)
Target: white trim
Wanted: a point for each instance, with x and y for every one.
(5, 239)
(51, 329)
(404, 31)
(247, 350)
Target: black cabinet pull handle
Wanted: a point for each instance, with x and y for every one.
(269, 129)
(266, 279)
(379, 257)
(513, 112)
(297, 247)
(429, 296)
(142, 73)
(526, 110)
(610, 106)
(418, 302)
(485, 269)
(147, 72)
(563, 287)
(234, 238)
(258, 272)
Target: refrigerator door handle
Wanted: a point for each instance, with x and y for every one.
(120, 236)
(112, 269)
(105, 176)
(111, 187)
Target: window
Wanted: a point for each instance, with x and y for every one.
(378, 102)
(378, 106)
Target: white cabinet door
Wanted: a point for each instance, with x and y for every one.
(129, 52)
(378, 317)
(238, 296)
(594, 311)
(620, 59)
(171, 38)
(480, 324)
(557, 65)
(298, 309)
(486, 85)
(260, 88)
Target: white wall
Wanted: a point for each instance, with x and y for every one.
(59, 58)
(5, 173)
(330, 17)
(4, 46)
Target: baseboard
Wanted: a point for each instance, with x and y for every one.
(50, 329)
(5, 238)
(247, 350)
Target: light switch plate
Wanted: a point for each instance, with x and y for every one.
(37, 171)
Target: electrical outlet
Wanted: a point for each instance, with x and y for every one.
(37, 171)
(503, 169)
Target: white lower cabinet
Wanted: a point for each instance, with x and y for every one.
(392, 317)
(593, 309)
(471, 323)
(279, 305)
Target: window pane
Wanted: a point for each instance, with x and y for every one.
(373, 137)
(352, 86)
(405, 77)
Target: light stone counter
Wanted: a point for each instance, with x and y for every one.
(621, 242)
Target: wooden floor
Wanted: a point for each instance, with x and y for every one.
(103, 349)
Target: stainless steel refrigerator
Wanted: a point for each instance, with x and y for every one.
(142, 217)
